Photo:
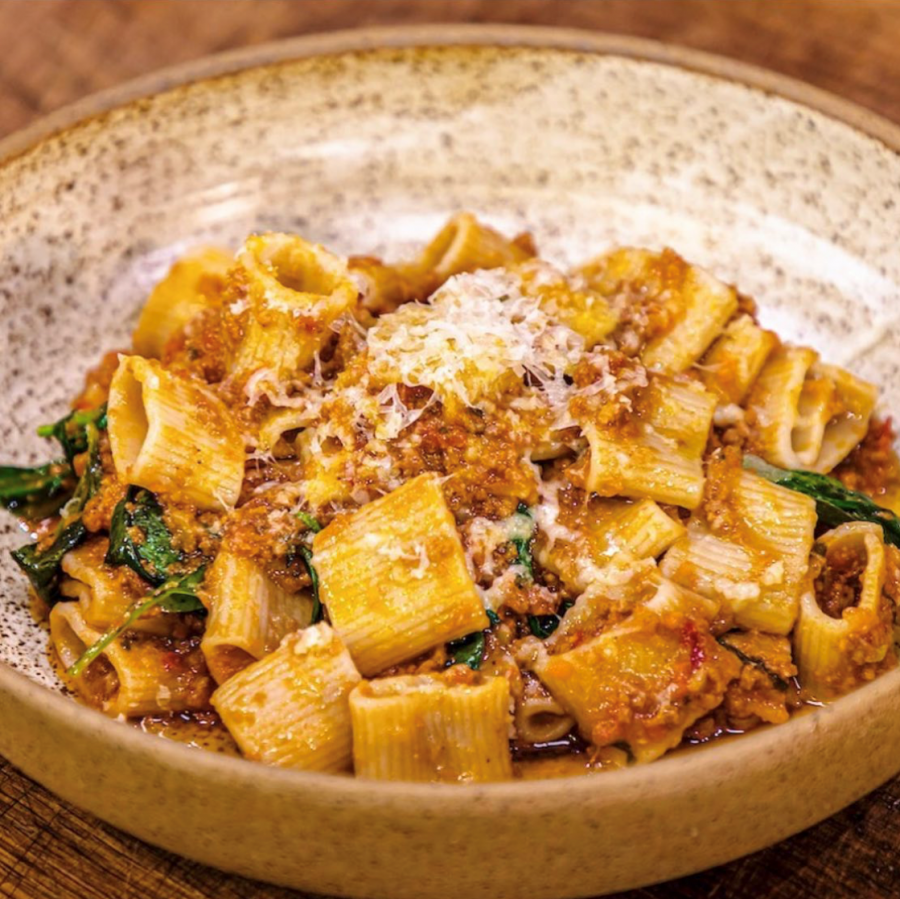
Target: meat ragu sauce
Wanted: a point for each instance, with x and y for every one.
(462, 518)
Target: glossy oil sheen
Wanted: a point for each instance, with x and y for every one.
(586, 141)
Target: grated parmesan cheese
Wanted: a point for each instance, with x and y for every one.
(478, 336)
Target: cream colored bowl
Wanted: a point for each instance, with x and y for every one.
(366, 141)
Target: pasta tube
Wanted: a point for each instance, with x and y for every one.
(249, 614)
(135, 675)
(173, 435)
(291, 293)
(428, 728)
(642, 682)
(806, 414)
(464, 245)
(687, 306)
(105, 594)
(658, 453)
(290, 708)
(598, 532)
(844, 636)
(756, 563)
(394, 579)
(735, 360)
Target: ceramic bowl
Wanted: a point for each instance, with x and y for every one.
(366, 141)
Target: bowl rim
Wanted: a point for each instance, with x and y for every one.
(669, 774)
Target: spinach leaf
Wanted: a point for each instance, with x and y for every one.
(180, 595)
(35, 493)
(521, 527)
(544, 625)
(42, 567)
(469, 650)
(153, 555)
(71, 431)
(835, 503)
(307, 555)
(309, 521)
(89, 482)
(174, 596)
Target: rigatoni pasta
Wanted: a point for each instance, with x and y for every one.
(845, 636)
(464, 245)
(249, 614)
(426, 727)
(136, 675)
(394, 577)
(808, 415)
(658, 454)
(103, 593)
(752, 555)
(687, 307)
(598, 681)
(291, 709)
(169, 434)
(734, 361)
(439, 518)
(287, 293)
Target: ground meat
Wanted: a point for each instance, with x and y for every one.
(200, 349)
(646, 307)
(873, 466)
(892, 577)
(735, 435)
(766, 690)
(838, 583)
(99, 508)
(488, 474)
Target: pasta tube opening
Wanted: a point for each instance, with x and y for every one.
(844, 635)
(71, 637)
(807, 415)
(136, 674)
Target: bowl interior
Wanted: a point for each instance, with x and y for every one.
(371, 151)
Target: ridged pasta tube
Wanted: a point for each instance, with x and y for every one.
(757, 568)
(642, 682)
(465, 245)
(835, 654)
(428, 728)
(658, 455)
(394, 579)
(601, 531)
(735, 360)
(249, 614)
(291, 293)
(806, 414)
(135, 675)
(173, 435)
(290, 708)
(104, 594)
(691, 305)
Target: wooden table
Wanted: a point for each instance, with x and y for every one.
(55, 52)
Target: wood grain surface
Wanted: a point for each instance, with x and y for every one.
(55, 51)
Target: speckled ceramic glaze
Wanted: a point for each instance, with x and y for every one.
(367, 141)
